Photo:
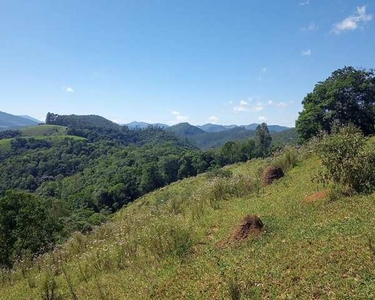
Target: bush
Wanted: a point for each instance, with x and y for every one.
(348, 160)
(286, 159)
(26, 226)
(219, 172)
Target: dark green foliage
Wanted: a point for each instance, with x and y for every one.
(348, 160)
(185, 130)
(263, 140)
(8, 134)
(80, 121)
(26, 225)
(151, 178)
(347, 96)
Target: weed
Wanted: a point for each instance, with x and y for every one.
(50, 289)
(287, 159)
(234, 289)
(348, 161)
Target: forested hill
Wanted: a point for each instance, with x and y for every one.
(80, 121)
(214, 139)
(186, 133)
(91, 167)
(96, 128)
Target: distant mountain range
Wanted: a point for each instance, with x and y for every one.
(217, 136)
(31, 118)
(204, 137)
(8, 121)
(207, 127)
(142, 125)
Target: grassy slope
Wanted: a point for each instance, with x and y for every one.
(50, 132)
(169, 245)
(43, 130)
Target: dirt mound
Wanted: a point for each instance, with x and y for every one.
(316, 196)
(250, 224)
(270, 174)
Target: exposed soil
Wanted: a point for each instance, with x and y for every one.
(270, 174)
(251, 224)
(316, 196)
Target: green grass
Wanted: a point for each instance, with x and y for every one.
(54, 133)
(172, 244)
(43, 130)
(5, 144)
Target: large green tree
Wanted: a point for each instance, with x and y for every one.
(263, 140)
(26, 225)
(346, 97)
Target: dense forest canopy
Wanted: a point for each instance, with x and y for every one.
(346, 97)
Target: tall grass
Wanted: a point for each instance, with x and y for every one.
(286, 159)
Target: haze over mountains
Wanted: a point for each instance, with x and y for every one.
(204, 137)
(8, 121)
(209, 127)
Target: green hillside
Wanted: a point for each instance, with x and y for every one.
(174, 244)
(215, 139)
(43, 130)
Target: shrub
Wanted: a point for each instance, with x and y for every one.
(286, 159)
(219, 172)
(26, 226)
(348, 160)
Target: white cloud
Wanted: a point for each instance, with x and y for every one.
(214, 119)
(305, 2)
(67, 89)
(352, 22)
(306, 52)
(277, 104)
(179, 117)
(262, 118)
(248, 106)
(281, 104)
(262, 72)
(312, 27)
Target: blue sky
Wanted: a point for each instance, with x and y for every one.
(227, 62)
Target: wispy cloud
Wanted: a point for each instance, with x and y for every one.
(67, 89)
(262, 118)
(262, 72)
(312, 27)
(179, 117)
(352, 22)
(306, 2)
(306, 52)
(277, 104)
(248, 106)
(214, 119)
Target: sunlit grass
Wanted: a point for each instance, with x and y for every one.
(43, 130)
(172, 244)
